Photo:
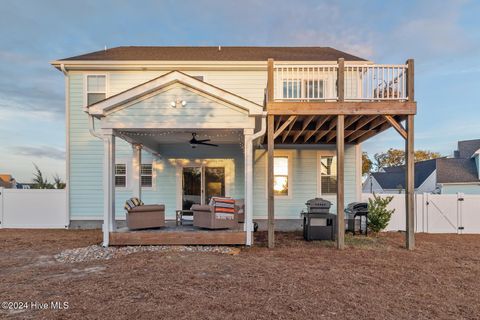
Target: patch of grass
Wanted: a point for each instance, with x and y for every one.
(363, 242)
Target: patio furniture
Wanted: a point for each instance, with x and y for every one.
(141, 216)
(357, 210)
(179, 214)
(318, 223)
(222, 214)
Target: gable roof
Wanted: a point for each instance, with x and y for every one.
(102, 107)
(158, 53)
(393, 177)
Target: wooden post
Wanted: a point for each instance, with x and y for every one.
(270, 84)
(410, 184)
(340, 181)
(137, 171)
(410, 80)
(341, 80)
(270, 202)
(409, 161)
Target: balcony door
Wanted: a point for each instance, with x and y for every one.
(200, 184)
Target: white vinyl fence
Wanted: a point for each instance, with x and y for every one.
(33, 208)
(436, 213)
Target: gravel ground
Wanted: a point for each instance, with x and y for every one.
(97, 252)
(374, 278)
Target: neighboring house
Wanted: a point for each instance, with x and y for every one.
(131, 112)
(460, 174)
(5, 180)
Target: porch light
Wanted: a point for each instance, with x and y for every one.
(178, 103)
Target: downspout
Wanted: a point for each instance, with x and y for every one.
(263, 127)
(91, 127)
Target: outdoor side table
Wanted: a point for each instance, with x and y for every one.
(179, 214)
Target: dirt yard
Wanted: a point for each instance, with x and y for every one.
(373, 278)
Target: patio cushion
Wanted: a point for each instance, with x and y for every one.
(132, 203)
(223, 205)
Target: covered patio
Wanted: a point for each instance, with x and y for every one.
(160, 118)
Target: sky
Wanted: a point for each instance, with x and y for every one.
(442, 36)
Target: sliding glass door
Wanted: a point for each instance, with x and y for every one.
(199, 184)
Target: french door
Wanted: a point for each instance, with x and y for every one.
(200, 184)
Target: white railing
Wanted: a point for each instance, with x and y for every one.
(305, 83)
(375, 82)
(362, 82)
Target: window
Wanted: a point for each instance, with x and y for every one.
(96, 88)
(146, 175)
(280, 176)
(328, 174)
(315, 89)
(120, 175)
(292, 89)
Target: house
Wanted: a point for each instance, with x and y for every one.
(288, 122)
(459, 174)
(5, 180)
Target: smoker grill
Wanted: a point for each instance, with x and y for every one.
(357, 210)
(318, 223)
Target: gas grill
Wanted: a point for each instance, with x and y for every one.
(318, 223)
(357, 210)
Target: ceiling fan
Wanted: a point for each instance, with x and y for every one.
(194, 142)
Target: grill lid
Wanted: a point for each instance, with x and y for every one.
(317, 204)
(357, 207)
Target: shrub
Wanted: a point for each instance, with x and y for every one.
(378, 214)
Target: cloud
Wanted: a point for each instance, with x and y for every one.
(39, 152)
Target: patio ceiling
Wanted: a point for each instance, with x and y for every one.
(154, 139)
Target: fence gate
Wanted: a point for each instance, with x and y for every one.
(442, 213)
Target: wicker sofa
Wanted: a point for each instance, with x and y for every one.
(144, 216)
(204, 217)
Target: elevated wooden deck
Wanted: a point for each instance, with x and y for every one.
(177, 235)
(337, 104)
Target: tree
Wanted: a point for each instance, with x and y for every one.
(378, 214)
(421, 155)
(366, 164)
(396, 157)
(40, 182)
(58, 183)
(393, 157)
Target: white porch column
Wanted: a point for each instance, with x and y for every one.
(136, 170)
(248, 226)
(108, 186)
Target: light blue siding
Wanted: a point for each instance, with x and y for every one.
(157, 109)
(303, 185)
(86, 156)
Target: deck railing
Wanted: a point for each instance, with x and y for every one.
(295, 82)
(361, 82)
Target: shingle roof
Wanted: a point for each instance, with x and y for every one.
(454, 170)
(151, 53)
(467, 148)
(449, 170)
(394, 177)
